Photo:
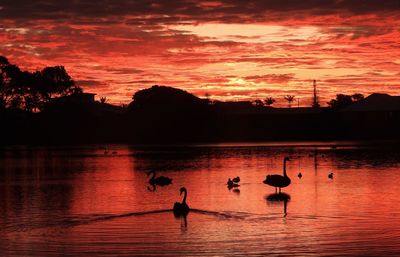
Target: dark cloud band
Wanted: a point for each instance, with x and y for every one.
(161, 12)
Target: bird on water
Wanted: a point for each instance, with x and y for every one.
(181, 209)
(236, 180)
(160, 181)
(278, 181)
(231, 183)
(300, 175)
(330, 175)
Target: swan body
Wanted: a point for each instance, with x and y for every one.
(330, 175)
(181, 209)
(161, 180)
(278, 181)
(300, 175)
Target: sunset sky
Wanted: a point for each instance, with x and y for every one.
(229, 49)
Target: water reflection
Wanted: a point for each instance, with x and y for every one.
(184, 223)
(236, 191)
(152, 188)
(279, 198)
(86, 202)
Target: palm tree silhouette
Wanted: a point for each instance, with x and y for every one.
(269, 101)
(290, 99)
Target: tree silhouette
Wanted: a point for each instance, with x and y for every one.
(10, 93)
(357, 97)
(103, 100)
(31, 91)
(343, 100)
(290, 99)
(269, 101)
(3, 61)
(340, 101)
(74, 90)
(55, 81)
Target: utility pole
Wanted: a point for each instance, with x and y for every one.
(315, 103)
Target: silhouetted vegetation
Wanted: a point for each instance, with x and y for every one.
(46, 107)
(289, 99)
(342, 100)
(103, 100)
(269, 101)
(30, 91)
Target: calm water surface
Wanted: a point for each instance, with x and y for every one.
(78, 201)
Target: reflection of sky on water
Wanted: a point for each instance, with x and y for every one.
(79, 198)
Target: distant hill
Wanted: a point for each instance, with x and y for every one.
(164, 114)
(164, 98)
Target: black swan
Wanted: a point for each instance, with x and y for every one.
(160, 181)
(181, 209)
(278, 181)
(300, 175)
(330, 175)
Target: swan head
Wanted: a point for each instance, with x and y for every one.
(183, 189)
(286, 159)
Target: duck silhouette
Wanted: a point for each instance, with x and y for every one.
(231, 184)
(236, 180)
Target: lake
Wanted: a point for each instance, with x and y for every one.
(91, 201)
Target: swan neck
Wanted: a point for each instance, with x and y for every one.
(184, 196)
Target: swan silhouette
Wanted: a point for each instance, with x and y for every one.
(181, 209)
(160, 181)
(330, 175)
(278, 181)
(300, 175)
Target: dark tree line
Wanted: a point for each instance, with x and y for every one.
(343, 100)
(30, 91)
